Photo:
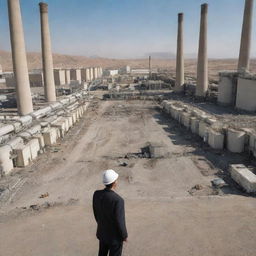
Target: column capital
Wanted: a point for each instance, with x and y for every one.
(43, 7)
(204, 8)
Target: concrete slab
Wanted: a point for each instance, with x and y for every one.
(244, 177)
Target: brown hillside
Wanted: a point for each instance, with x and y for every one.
(67, 61)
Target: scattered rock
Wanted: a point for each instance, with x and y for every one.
(46, 205)
(218, 183)
(198, 187)
(123, 164)
(44, 195)
(34, 207)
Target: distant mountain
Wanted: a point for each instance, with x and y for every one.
(161, 55)
(169, 55)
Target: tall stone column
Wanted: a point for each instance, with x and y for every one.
(88, 75)
(245, 47)
(179, 57)
(91, 73)
(95, 75)
(19, 59)
(202, 65)
(49, 85)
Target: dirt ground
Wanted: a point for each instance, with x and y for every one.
(165, 216)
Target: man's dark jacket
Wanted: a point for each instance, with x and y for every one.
(108, 208)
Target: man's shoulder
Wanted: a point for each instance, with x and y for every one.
(118, 197)
(98, 192)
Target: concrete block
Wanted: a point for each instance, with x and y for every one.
(6, 163)
(50, 136)
(74, 117)
(203, 130)
(172, 111)
(178, 113)
(168, 107)
(77, 114)
(244, 177)
(6, 129)
(215, 139)
(185, 119)
(226, 90)
(40, 139)
(23, 153)
(70, 121)
(65, 120)
(85, 106)
(235, 140)
(194, 125)
(246, 94)
(61, 125)
(34, 148)
(15, 142)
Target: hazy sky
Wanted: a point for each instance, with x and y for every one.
(129, 28)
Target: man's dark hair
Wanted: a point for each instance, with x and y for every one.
(110, 185)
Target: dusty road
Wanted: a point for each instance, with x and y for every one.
(164, 216)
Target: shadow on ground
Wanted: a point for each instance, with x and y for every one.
(218, 159)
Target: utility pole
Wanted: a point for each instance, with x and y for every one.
(149, 66)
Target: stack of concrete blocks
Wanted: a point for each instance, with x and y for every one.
(209, 129)
(244, 177)
(20, 148)
(75, 75)
(59, 77)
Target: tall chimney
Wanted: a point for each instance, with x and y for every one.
(202, 62)
(179, 57)
(49, 85)
(245, 47)
(19, 59)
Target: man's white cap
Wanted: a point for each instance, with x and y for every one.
(109, 176)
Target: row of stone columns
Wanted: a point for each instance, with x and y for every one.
(202, 61)
(20, 67)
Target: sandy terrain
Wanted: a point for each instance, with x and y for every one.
(66, 61)
(164, 216)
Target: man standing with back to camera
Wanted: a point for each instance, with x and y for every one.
(108, 208)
